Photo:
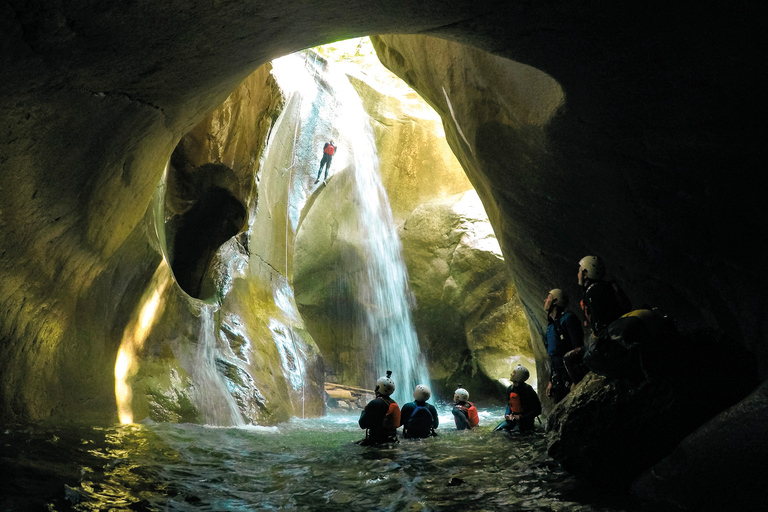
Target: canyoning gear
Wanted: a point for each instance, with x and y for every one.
(559, 298)
(564, 333)
(592, 267)
(380, 418)
(420, 422)
(392, 418)
(514, 406)
(460, 395)
(422, 393)
(603, 303)
(415, 422)
(465, 415)
(385, 386)
(527, 401)
(520, 374)
(329, 148)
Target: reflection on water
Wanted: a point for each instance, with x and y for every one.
(301, 465)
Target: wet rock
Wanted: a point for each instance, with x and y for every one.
(468, 317)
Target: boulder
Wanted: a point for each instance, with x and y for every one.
(468, 317)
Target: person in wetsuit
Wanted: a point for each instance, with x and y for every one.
(564, 334)
(418, 418)
(464, 412)
(381, 416)
(523, 404)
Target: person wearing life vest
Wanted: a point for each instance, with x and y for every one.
(523, 403)
(464, 412)
(564, 334)
(418, 418)
(381, 416)
(328, 151)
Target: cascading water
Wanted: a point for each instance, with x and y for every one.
(331, 107)
(211, 395)
(384, 289)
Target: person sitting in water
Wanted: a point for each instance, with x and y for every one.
(464, 412)
(418, 418)
(523, 403)
(381, 416)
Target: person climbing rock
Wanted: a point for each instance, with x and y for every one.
(523, 405)
(381, 416)
(564, 334)
(328, 151)
(464, 412)
(418, 418)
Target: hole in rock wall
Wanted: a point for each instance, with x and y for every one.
(214, 217)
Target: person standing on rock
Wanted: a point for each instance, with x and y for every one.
(523, 404)
(564, 334)
(464, 412)
(418, 418)
(328, 151)
(381, 416)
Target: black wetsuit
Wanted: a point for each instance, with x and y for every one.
(405, 415)
(372, 419)
(604, 302)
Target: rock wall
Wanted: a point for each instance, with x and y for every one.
(467, 317)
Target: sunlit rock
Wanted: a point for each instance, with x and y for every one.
(469, 319)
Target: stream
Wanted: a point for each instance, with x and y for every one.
(301, 465)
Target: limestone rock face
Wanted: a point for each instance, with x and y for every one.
(470, 323)
(415, 161)
(246, 355)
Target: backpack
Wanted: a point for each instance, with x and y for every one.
(474, 418)
(392, 418)
(330, 149)
(420, 422)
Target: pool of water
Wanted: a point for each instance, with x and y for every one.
(304, 465)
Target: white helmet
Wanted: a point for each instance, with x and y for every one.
(559, 298)
(460, 395)
(385, 386)
(594, 267)
(421, 393)
(520, 373)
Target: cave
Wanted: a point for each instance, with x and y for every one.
(639, 144)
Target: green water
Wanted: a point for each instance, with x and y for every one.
(310, 465)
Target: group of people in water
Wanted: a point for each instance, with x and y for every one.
(382, 417)
(570, 359)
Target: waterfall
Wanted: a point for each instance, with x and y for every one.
(213, 398)
(384, 290)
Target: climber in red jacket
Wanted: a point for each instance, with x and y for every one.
(328, 151)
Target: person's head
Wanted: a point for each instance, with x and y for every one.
(555, 299)
(461, 395)
(421, 393)
(385, 386)
(331, 141)
(591, 267)
(519, 374)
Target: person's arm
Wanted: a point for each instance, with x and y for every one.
(373, 414)
(532, 408)
(435, 419)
